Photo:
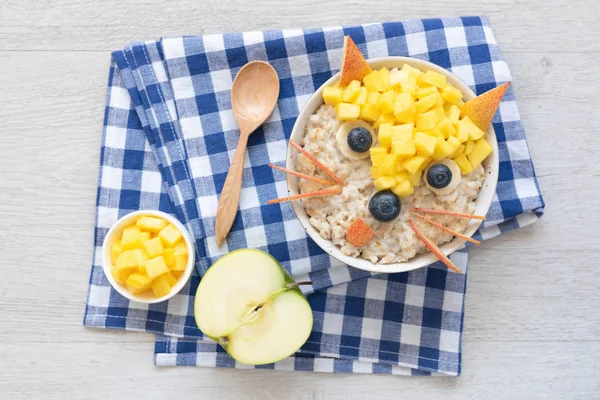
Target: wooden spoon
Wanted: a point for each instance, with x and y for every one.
(253, 97)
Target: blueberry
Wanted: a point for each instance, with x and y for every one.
(359, 140)
(384, 206)
(439, 176)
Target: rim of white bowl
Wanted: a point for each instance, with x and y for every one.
(117, 229)
(491, 166)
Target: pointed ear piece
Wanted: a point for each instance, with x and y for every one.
(354, 64)
(482, 108)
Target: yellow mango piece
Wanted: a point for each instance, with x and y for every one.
(396, 77)
(369, 112)
(462, 131)
(376, 172)
(402, 148)
(458, 152)
(451, 94)
(372, 97)
(120, 275)
(469, 147)
(181, 248)
(425, 144)
(171, 279)
(126, 259)
(404, 109)
(161, 287)
(403, 132)
(387, 101)
(426, 121)
(116, 248)
(351, 92)
(402, 176)
(414, 163)
(332, 95)
(464, 164)
(383, 118)
(170, 235)
(454, 142)
(415, 178)
(156, 266)
(409, 86)
(427, 102)
(480, 152)
(443, 149)
(403, 189)
(347, 111)
(454, 114)
(445, 126)
(139, 281)
(151, 224)
(399, 167)
(373, 82)
(131, 237)
(426, 91)
(385, 182)
(140, 259)
(362, 96)
(180, 263)
(377, 155)
(411, 71)
(433, 78)
(154, 247)
(384, 74)
(389, 164)
(144, 236)
(169, 256)
(440, 114)
(470, 129)
(384, 135)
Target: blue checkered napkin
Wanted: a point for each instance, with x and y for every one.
(168, 138)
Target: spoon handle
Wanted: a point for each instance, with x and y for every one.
(230, 195)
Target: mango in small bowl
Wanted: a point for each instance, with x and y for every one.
(148, 256)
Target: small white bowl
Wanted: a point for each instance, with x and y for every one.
(116, 232)
(482, 204)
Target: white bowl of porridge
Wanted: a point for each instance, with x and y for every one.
(396, 247)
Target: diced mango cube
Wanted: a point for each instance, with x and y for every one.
(414, 163)
(333, 95)
(171, 279)
(404, 109)
(140, 259)
(347, 111)
(396, 77)
(151, 224)
(403, 189)
(468, 127)
(181, 249)
(156, 266)
(445, 126)
(126, 259)
(426, 91)
(469, 147)
(458, 152)
(462, 131)
(433, 78)
(480, 152)
(131, 237)
(116, 248)
(374, 83)
(443, 149)
(464, 164)
(426, 121)
(154, 247)
(369, 112)
(440, 114)
(411, 71)
(384, 74)
(161, 287)
(121, 275)
(383, 118)
(427, 102)
(435, 132)
(451, 94)
(415, 178)
(454, 114)
(376, 172)
(378, 155)
(402, 176)
(362, 96)
(409, 86)
(385, 182)
(384, 135)
(180, 263)
(351, 92)
(389, 164)
(144, 236)
(139, 281)
(454, 142)
(425, 144)
(387, 101)
(403, 132)
(402, 148)
(170, 235)
(372, 97)
(169, 256)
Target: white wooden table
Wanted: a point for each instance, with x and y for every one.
(532, 326)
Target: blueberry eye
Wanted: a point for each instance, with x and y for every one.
(439, 176)
(359, 140)
(384, 206)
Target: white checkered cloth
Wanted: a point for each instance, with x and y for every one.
(169, 135)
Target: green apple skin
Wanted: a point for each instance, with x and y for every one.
(290, 287)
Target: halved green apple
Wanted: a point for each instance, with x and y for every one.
(250, 305)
